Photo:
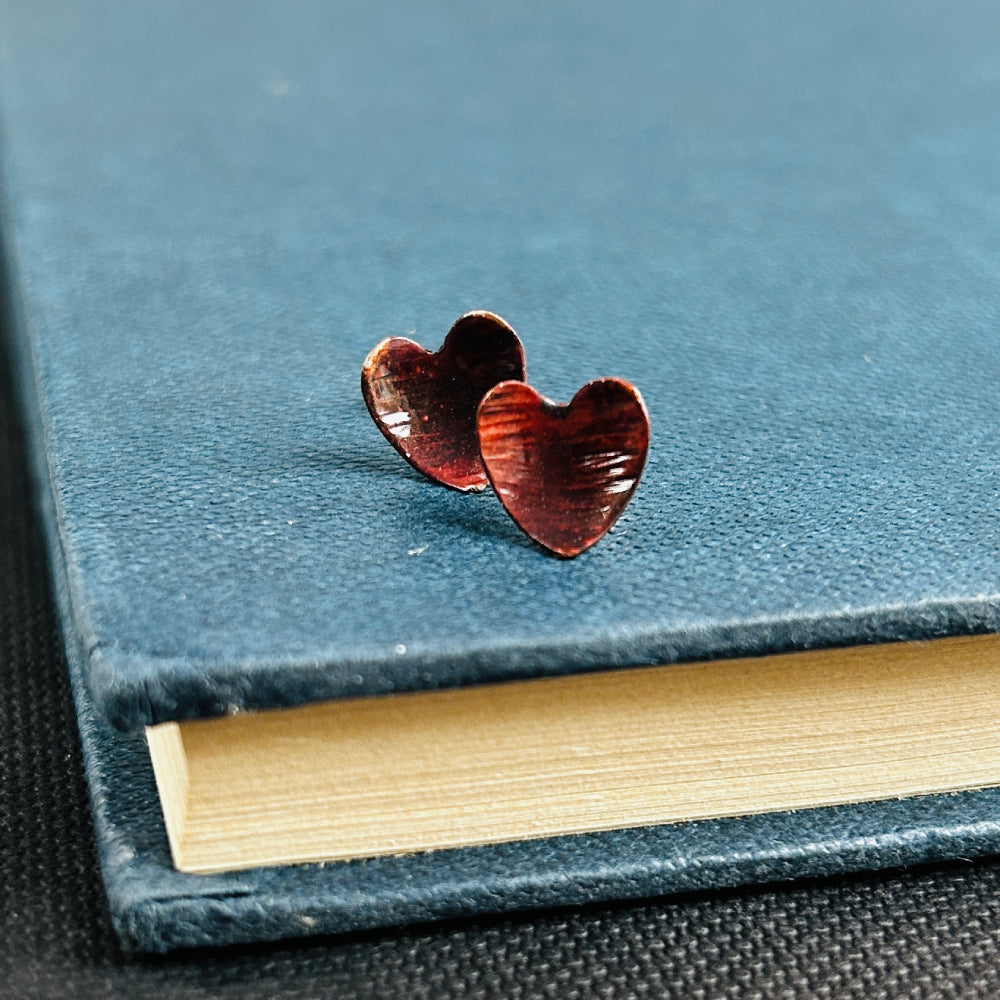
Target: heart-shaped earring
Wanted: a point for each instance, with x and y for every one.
(425, 403)
(564, 473)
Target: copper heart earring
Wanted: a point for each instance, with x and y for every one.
(564, 473)
(465, 417)
(425, 403)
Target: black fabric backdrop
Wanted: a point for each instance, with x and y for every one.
(922, 933)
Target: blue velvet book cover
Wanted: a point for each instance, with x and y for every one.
(779, 221)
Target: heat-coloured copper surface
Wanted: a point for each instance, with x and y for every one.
(425, 403)
(564, 473)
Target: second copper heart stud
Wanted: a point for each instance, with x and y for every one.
(466, 418)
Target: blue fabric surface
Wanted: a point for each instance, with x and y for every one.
(779, 222)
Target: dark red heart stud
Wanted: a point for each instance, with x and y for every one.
(425, 403)
(564, 473)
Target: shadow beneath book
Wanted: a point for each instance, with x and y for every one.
(54, 921)
(752, 936)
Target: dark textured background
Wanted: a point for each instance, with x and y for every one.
(925, 933)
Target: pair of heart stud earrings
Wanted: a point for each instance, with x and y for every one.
(465, 417)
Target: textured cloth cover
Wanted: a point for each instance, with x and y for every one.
(780, 223)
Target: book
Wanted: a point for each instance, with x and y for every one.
(779, 225)
(496, 763)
